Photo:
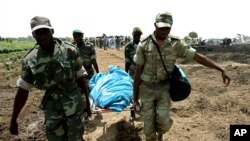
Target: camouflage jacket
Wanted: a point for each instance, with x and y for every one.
(87, 54)
(56, 74)
(148, 56)
(129, 53)
(43, 70)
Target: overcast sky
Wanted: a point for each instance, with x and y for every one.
(209, 18)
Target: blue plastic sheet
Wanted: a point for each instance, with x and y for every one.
(112, 90)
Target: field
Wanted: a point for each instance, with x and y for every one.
(205, 116)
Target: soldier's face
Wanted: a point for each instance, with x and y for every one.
(43, 36)
(78, 37)
(162, 33)
(137, 36)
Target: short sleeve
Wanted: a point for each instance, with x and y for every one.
(184, 51)
(26, 80)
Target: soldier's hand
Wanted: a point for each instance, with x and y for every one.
(136, 105)
(226, 78)
(13, 127)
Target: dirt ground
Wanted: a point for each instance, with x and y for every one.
(205, 116)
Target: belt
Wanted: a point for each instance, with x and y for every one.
(64, 88)
(155, 82)
(53, 92)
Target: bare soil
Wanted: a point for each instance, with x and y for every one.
(205, 116)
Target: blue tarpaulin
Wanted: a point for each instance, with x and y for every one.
(112, 90)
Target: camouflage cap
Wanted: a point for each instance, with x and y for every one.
(136, 29)
(164, 19)
(39, 22)
(77, 31)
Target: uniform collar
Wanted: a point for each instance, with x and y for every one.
(167, 41)
(57, 46)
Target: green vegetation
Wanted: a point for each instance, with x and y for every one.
(15, 45)
(9, 61)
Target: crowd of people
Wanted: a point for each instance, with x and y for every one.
(63, 71)
(113, 42)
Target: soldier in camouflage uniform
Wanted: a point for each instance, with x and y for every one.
(87, 53)
(151, 80)
(54, 66)
(129, 53)
(130, 49)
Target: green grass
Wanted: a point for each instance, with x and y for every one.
(13, 46)
(9, 60)
(12, 52)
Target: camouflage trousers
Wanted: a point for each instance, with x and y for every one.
(155, 109)
(63, 116)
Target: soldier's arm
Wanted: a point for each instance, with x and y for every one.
(20, 100)
(127, 65)
(127, 58)
(137, 81)
(93, 59)
(94, 62)
(211, 64)
(82, 84)
(24, 83)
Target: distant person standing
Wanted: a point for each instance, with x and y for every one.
(54, 66)
(106, 42)
(117, 42)
(130, 50)
(87, 54)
